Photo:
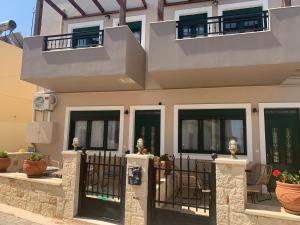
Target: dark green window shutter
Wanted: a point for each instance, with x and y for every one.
(86, 37)
(136, 28)
(241, 20)
(192, 25)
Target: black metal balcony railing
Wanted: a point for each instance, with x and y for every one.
(220, 25)
(73, 40)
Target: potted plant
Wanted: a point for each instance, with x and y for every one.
(4, 161)
(35, 165)
(288, 191)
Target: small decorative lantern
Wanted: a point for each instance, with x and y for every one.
(233, 148)
(75, 143)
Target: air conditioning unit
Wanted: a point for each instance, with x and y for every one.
(44, 101)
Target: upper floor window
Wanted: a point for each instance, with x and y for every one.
(208, 131)
(96, 130)
(243, 20)
(86, 37)
(192, 25)
(136, 28)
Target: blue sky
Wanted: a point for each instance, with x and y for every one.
(20, 11)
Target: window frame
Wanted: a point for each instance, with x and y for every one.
(208, 114)
(241, 28)
(137, 18)
(192, 25)
(140, 30)
(193, 11)
(86, 35)
(67, 133)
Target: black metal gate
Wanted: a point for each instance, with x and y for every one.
(102, 186)
(182, 192)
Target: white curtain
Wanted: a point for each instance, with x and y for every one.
(80, 132)
(212, 133)
(234, 129)
(190, 134)
(97, 134)
(113, 135)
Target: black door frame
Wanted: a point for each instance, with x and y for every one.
(133, 109)
(262, 127)
(297, 127)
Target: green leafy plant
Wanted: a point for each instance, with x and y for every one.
(286, 177)
(3, 154)
(36, 156)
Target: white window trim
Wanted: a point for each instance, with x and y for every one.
(131, 141)
(246, 106)
(94, 108)
(262, 134)
(135, 19)
(73, 26)
(192, 11)
(241, 5)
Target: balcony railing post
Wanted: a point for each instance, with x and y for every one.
(220, 24)
(265, 19)
(102, 37)
(45, 47)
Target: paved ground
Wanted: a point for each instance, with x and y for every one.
(8, 219)
(14, 216)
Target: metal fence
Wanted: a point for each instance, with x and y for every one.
(102, 186)
(183, 185)
(220, 25)
(73, 40)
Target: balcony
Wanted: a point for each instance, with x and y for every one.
(213, 53)
(109, 60)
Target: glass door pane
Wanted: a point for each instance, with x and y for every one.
(234, 129)
(113, 135)
(190, 135)
(212, 135)
(97, 134)
(80, 132)
(192, 25)
(86, 37)
(147, 127)
(241, 20)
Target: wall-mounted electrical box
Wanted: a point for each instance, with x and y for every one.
(40, 132)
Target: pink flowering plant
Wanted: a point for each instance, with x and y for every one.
(286, 177)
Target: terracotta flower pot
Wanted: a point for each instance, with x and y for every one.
(34, 169)
(4, 164)
(289, 197)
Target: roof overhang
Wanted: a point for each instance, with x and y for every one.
(182, 2)
(76, 9)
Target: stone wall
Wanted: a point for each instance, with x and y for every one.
(35, 195)
(47, 196)
(231, 199)
(70, 182)
(136, 196)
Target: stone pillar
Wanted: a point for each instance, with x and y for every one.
(231, 191)
(136, 196)
(70, 182)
